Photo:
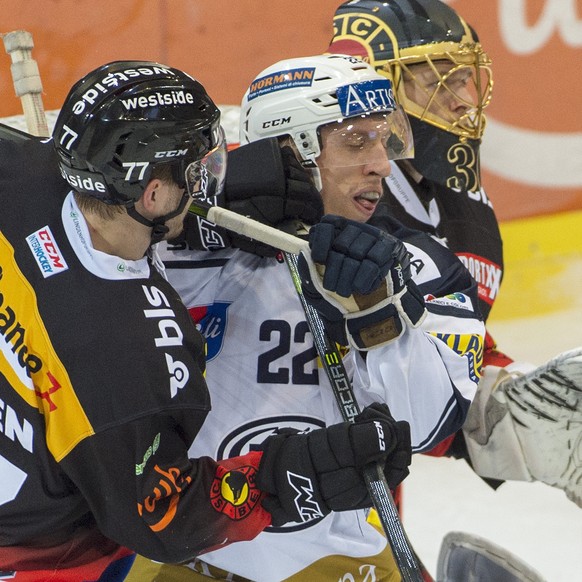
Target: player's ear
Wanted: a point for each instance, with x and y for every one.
(151, 195)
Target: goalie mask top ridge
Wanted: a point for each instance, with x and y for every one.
(296, 97)
(432, 55)
(126, 117)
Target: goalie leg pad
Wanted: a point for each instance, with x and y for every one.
(465, 557)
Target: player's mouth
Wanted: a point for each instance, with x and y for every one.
(368, 200)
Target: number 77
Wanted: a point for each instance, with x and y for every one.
(131, 166)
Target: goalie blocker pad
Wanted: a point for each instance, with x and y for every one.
(465, 557)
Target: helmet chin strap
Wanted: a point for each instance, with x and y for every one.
(310, 164)
(158, 224)
(316, 174)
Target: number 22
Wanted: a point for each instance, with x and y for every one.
(265, 373)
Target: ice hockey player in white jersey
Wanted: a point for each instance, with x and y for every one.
(526, 423)
(418, 349)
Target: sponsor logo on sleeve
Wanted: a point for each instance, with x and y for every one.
(139, 467)
(169, 336)
(234, 492)
(457, 300)
(46, 252)
(424, 269)
(486, 273)
(470, 346)
(162, 503)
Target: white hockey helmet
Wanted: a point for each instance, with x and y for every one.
(296, 97)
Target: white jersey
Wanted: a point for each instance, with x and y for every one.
(263, 373)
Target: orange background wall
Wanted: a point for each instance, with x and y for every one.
(535, 131)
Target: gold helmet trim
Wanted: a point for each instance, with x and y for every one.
(363, 28)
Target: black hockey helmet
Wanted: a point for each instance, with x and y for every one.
(395, 35)
(124, 118)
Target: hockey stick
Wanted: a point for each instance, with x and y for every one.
(346, 401)
(333, 364)
(26, 78)
(250, 228)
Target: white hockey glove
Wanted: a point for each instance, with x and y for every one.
(361, 280)
(528, 426)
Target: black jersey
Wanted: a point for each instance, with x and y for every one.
(101, 389)
(465, 221)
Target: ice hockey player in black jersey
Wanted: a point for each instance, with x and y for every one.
(102, 388)
(525, 421)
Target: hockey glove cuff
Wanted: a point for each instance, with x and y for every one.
(399, 459)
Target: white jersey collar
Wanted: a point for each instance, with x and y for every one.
(97, 262)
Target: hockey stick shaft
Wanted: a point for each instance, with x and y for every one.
(26, 79)
(250, 228)
(373, 474)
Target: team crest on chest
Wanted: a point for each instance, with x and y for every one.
(211, 322)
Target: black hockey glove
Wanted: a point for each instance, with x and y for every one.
(307, 475)
(362, 278)
(264, 182)
(397, 462)
(267, 183)
(201, 234)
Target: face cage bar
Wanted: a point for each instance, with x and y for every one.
(467, 56)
